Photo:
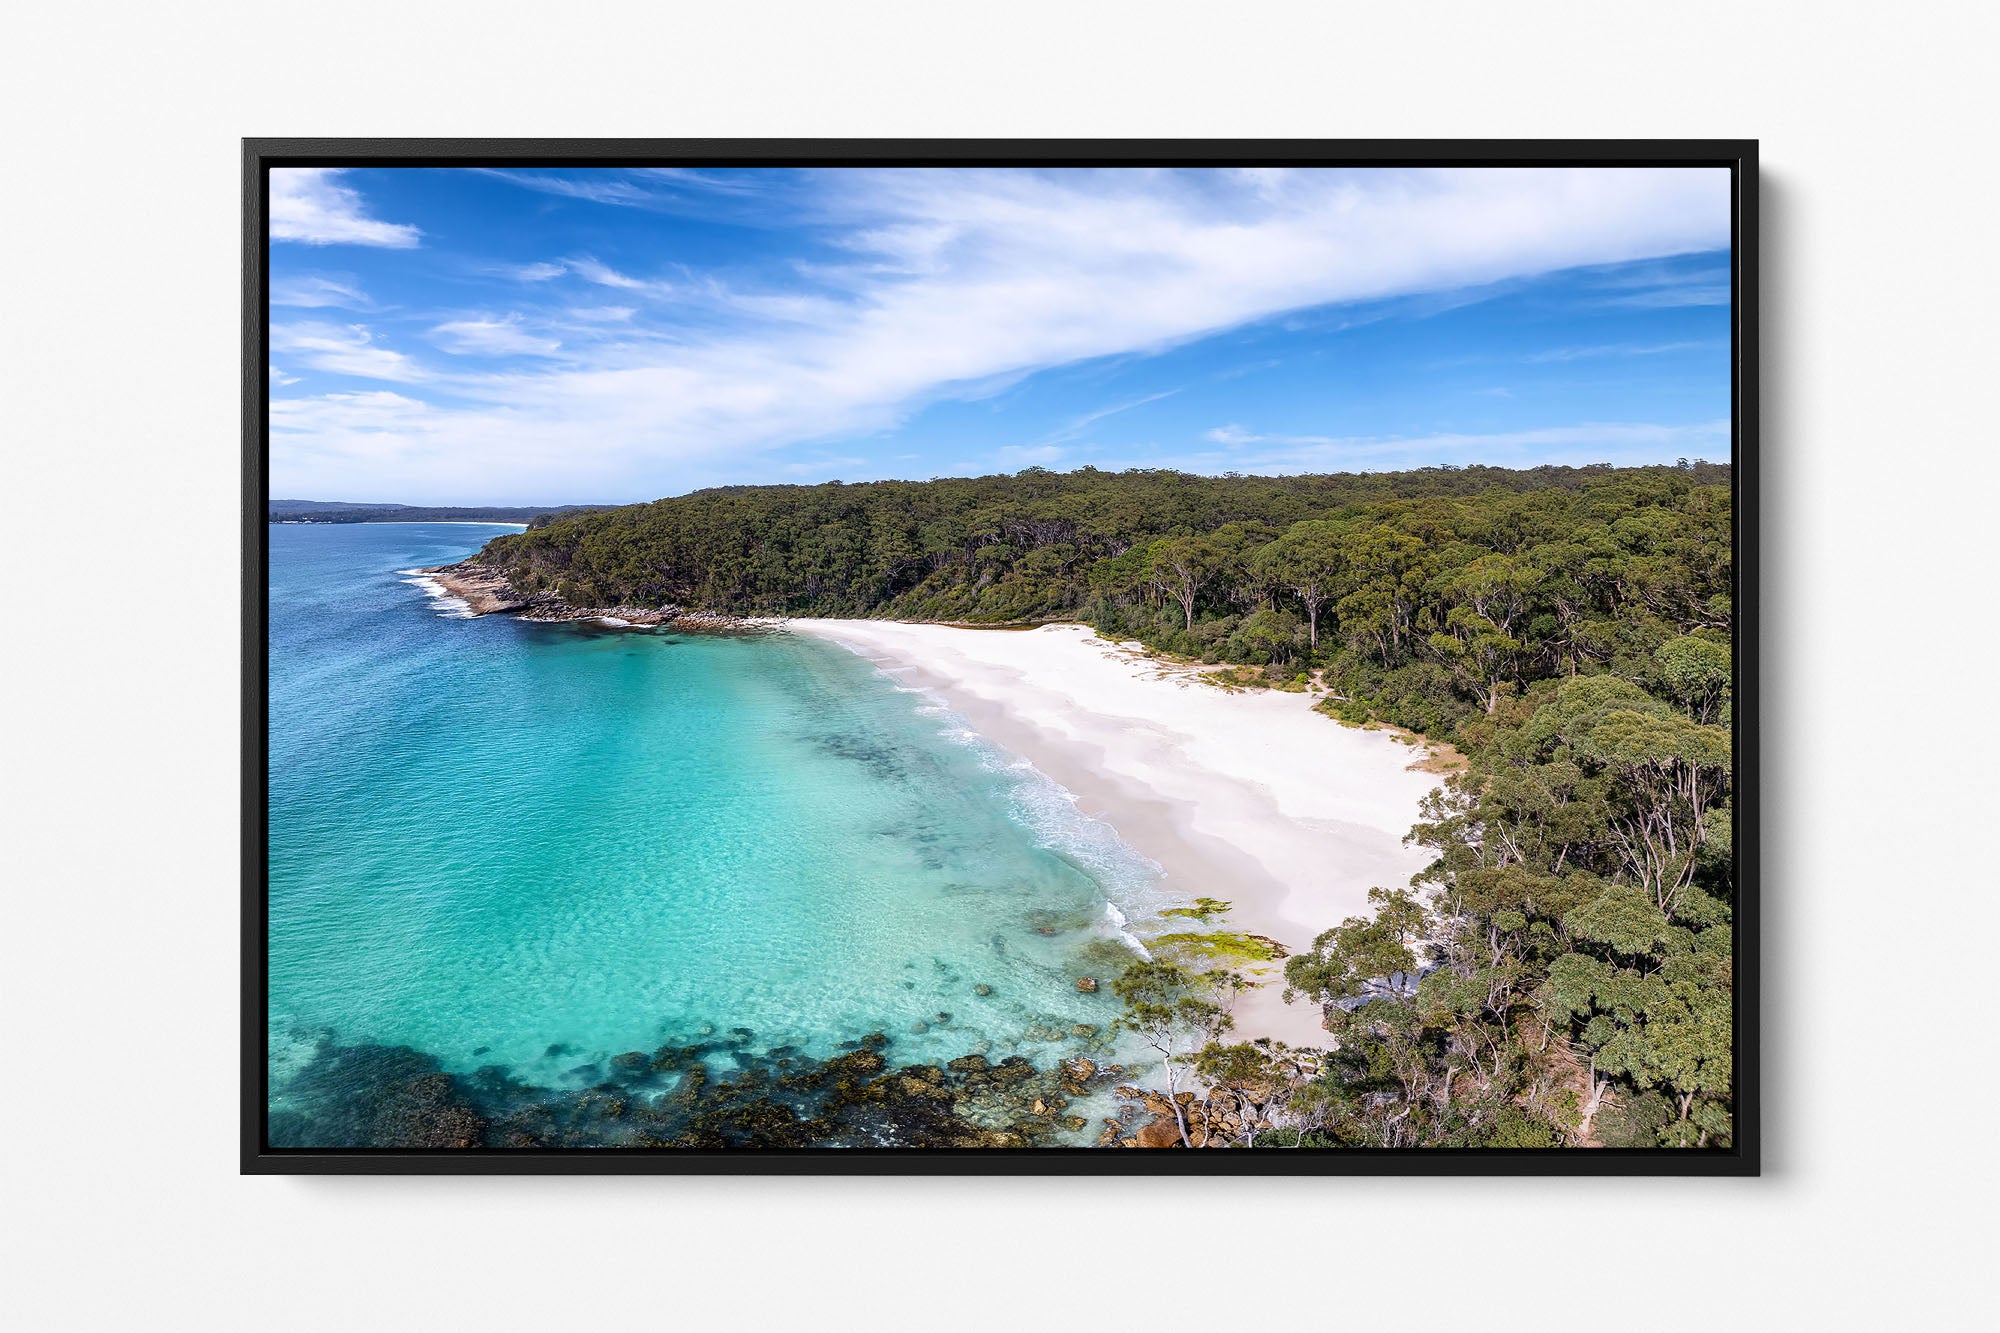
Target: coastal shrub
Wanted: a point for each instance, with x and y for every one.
(1635, 1122)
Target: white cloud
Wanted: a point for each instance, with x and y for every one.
(824, 468)
(598, 187)
(345, 349)
(960, 281)
(590, 270)
(1625, 349)
(338, 436)
(737, 184)
(491, 337)
(660, 188)
(1081, 425)
(1589, 442)
(368, 408)
(310, 204)
(280, 377)
(316, 290)
(1713, 293)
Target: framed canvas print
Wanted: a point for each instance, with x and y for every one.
(997, 657)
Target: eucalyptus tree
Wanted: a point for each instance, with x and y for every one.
(1381, 590)
(1180, 567)
(1177, 1012)
(1307, 561)
(1487, 604)
(1363, 956)
(1259, 1079)
(1695, 673)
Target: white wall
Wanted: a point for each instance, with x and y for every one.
(119, 319)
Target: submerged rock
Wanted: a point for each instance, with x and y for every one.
(701, 1094)
(1013, 1069)
(371, 1096)
(1077, 1073)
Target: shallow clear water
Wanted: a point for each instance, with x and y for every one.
(543, 845)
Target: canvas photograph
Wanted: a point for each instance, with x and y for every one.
(1210, 664)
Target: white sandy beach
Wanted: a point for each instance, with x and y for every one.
(1248, 796)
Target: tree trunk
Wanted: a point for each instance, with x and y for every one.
(1597, 1091)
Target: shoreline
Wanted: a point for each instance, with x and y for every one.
(486, 592)
(1249, 797)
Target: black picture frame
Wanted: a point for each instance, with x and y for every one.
(260, 155)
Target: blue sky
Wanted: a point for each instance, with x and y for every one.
(446, 336)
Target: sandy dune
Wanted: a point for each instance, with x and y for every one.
(1247, 796)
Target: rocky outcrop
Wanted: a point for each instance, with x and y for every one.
(486, 591)
(1220, 1118)
(483, 589)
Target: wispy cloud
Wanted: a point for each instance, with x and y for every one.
(345, 349)
(597, 187)
(318, 290)
(1079, 426)
(729, 184)
(1659, 286)
(540, 272)
(663, 189)
(1712, 293)
(823, 467)
(1583, 443)
(590, 270)
(958, 282)
(311, 205)
(1624, 349)
(485, 336)
(691, 293)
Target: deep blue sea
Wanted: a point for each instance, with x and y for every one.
(539, 846)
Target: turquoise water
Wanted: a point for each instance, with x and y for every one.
(543, 845)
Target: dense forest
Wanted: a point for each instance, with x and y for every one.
(1562, 973)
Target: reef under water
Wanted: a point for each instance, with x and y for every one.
(715, 1092)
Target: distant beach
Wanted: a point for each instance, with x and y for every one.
(1248, 796)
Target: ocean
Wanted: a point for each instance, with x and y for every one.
(527, 849)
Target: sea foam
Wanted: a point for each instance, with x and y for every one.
(448, 606)
(1048, 810)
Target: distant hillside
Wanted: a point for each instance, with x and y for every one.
(353, 511)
